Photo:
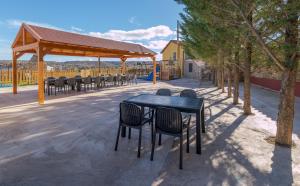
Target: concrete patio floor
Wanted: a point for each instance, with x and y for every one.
(70, 141)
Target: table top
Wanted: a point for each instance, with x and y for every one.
(181, 103)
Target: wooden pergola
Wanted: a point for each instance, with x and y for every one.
(42, 41)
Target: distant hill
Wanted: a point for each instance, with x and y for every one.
(75, 64)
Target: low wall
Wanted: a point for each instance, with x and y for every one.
(273, 84)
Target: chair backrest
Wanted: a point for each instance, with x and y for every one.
(168, 120)
(164, 92)
(71, 81)
(77, 77)
(60, 81)
(110, 78)
(98, 80)
(188, 93)
(50, 79)
(88, 79)
(130, 114)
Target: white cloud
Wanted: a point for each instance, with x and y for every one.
(135, 35)
(76, 29)
(16, 23)
(157, 44)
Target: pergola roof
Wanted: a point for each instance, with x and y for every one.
(65, 43)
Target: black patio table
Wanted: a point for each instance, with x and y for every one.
(183, 104)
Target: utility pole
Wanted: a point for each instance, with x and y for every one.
(180, 63)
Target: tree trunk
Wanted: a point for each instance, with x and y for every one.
(247, 73)
(247, 83)
(236, 77)
(213, 76)
(236, 84)
(285, 117)
(222, 79)
(219, 76)
(216, 77)
(229, 83)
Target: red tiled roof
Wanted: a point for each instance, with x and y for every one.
(52, 35)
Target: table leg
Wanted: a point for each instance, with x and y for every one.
(123, 134)
(198, 132)
(202, 119)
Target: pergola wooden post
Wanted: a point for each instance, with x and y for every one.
(43, 41)
(123, 65)
(154, 69)
(14, 73)
(41, 68)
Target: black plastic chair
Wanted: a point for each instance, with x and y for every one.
(102, 80)
(168, 121)
(71, 84)
(60, 84)
(50, 83)
(78, 80)
(87, 83)
(164, 92)
(132, 116)
(97, 82)
(110, 80)
(188, 93)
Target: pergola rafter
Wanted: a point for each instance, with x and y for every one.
(45, 41)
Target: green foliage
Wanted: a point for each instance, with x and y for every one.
(210, 25)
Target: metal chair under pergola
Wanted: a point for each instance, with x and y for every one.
(45, 41)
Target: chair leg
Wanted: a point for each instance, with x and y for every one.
(118, 135)
(159, 140)
(188, 136)
(140, 141)
(153, 146)
(188, 139)
(152, 131)
(129, 133)
(180, 158)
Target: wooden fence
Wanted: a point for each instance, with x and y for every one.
(29, 77)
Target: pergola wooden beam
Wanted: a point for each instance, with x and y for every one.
(25, 48)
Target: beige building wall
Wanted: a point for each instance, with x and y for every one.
(193, 69)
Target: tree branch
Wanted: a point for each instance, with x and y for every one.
(231, 63)
(258, 37)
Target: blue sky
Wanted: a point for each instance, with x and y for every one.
(148, 22)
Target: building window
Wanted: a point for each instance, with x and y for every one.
(174, 56)
(190, 67)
